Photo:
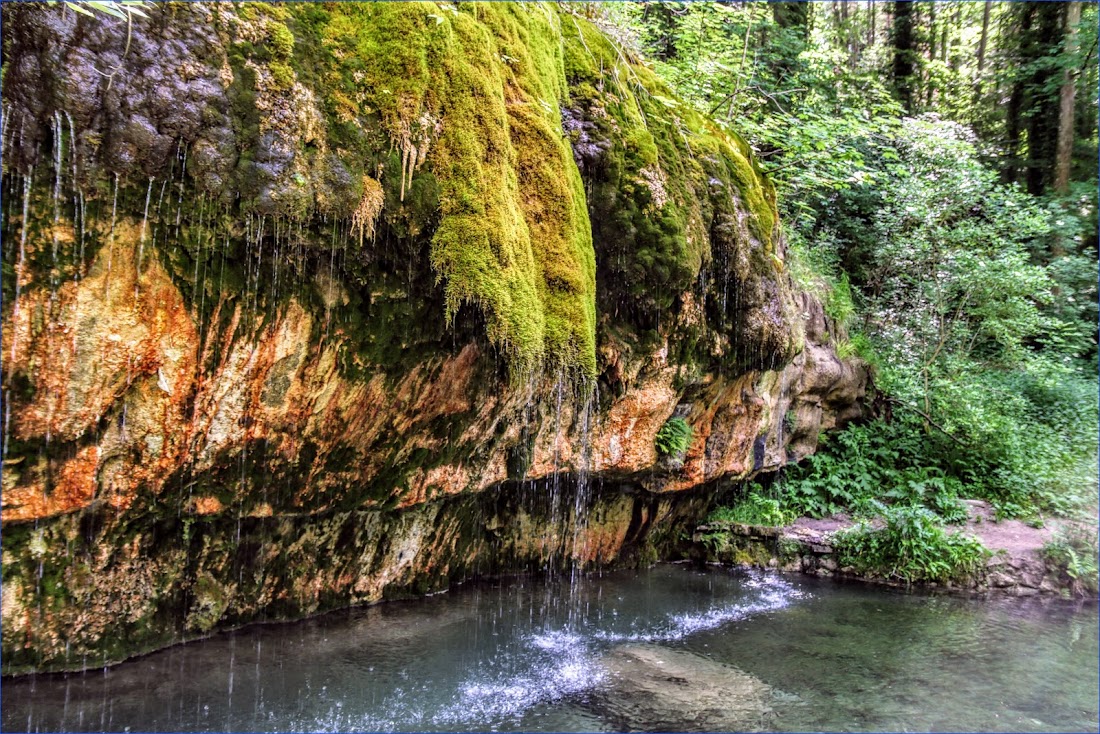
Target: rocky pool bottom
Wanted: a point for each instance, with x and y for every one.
(669, 648)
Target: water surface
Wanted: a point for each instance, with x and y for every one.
(527, 655)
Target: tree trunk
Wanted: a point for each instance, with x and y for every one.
(1019, 21)
(793, 16)
(874, 12)
(931, 31)
(1012, 132)
(985, 37)
(1042, 124)
(847, 32)
(903, 53)
(944, 29)
(1064, 156)
(930, 92)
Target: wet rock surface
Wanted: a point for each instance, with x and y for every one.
(224, 404)
(651, 688)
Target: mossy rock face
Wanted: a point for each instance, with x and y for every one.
(435, 124)
(676, 203)
(416, 182)
(503, 139)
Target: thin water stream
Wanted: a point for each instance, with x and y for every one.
(621, 651)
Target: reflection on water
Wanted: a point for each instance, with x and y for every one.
(533, 655)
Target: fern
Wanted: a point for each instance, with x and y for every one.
(673, 438)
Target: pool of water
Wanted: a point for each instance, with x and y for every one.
(538, 655)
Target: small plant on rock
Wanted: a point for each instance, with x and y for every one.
(755, 509)
(1073, 554)
(673, 439)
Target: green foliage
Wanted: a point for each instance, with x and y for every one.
(1073, 553)
(838, 303)
(911, 546)
(674, 438)
(863, 464)
(979, 347)
(859, 345)
(755, 509)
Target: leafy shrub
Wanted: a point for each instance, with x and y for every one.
(857, 344)
(755, 509)
(673, 438)
(1073, 553)
(893, 461)
(989, 367)
(913, 546)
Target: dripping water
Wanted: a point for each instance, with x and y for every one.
(111, 236)
(144, 226)
(7, 423)
(83, 228)
(589, 403)
(182, 181)
(20, 263)
(57, 144)
(78, 197)
(5, 115)
(556, 519)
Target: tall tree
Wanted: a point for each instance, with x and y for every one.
(793, 19)
(1018, 20)
(1064, 155)
(793, 16)
(873, 12)
(664, 21)
(984, 38)
(1043, 90)
(904, 54)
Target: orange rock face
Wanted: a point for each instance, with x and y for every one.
(121, 347)
(138, 404)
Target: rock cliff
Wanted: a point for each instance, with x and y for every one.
(308, 305)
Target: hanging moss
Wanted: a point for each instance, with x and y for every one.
(458, 112)
(663, 183)
(471, 97)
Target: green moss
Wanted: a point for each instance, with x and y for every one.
(282, 41)
(472, 97)
(668, 189)
(211, 601)
(282, 74)
(457, 112)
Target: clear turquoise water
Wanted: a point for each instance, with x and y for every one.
(525, 655)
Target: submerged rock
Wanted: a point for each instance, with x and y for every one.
(651, 688)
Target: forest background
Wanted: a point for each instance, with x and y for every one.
(936, 164)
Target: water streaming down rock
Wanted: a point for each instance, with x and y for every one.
(22, 256)
(252, 414)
